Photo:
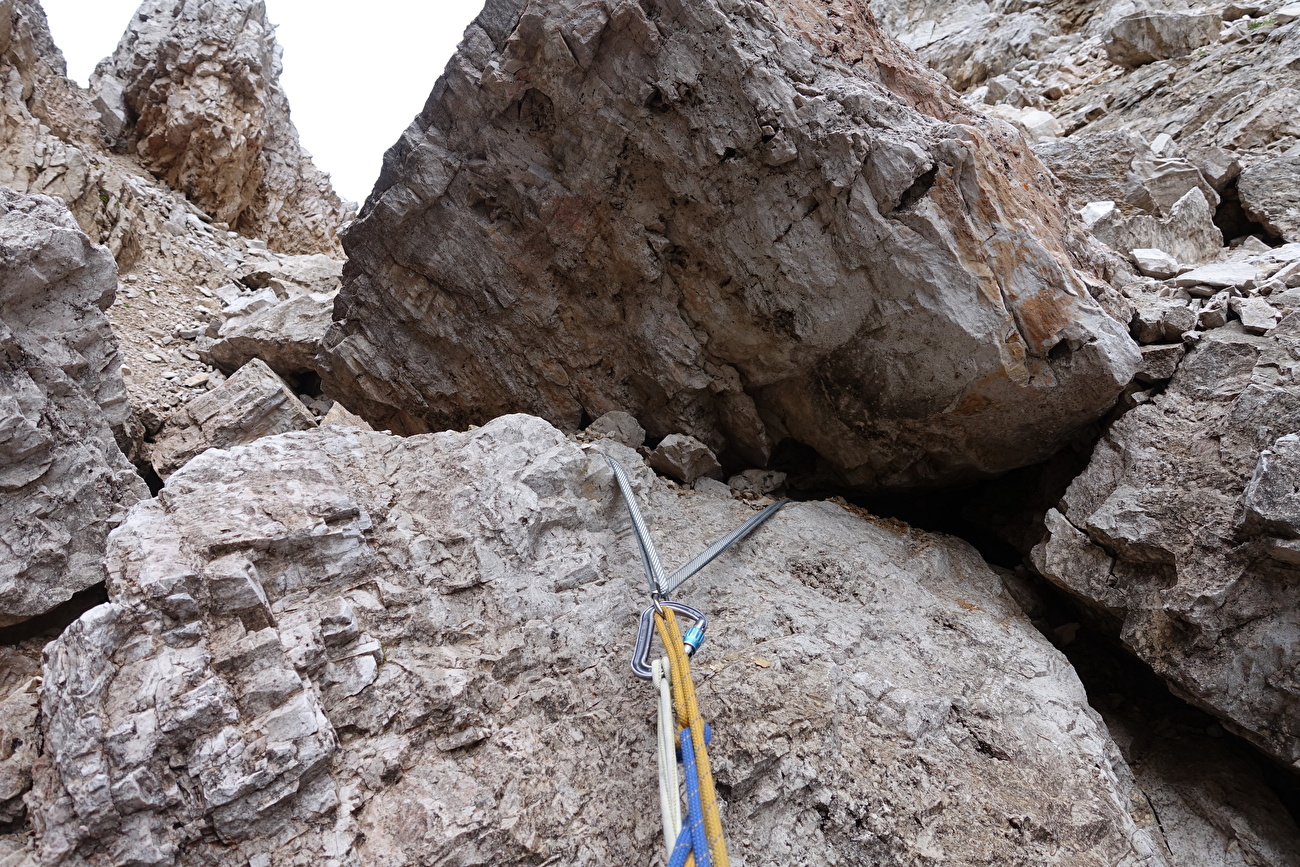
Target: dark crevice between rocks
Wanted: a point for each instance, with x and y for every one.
(917, 190)
(151, 478)
(1003, 519)
(1232, 220)
(1119, 684)
(51, 624)
(304, 382)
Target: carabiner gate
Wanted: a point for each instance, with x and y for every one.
(693, 638)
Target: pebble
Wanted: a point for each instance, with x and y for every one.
(196, 380)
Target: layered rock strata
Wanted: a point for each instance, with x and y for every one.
(1176, 532)
(378, 650)
(63, 478)
(738, 223)
(1224, 100)
(252, 404)
(193, 90)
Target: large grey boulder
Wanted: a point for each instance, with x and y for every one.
(252, 403)
(1270, 194)
(198, 84)
(63, 479)
(285, 335)
(1158, 34)
(1179, 532)
(736, 221)
(354, 648)
(278, 312)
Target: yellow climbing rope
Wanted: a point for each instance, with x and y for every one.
(688, 716)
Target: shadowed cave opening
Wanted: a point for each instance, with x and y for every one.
(1232, 220)
(51, 624)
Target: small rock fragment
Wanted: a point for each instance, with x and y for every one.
(1161, 320)
(1155, 263)
(1287, 14)
(1271, 502)
(1214, 314)
(685, 459)
(1220, 275)
(1160, 362)
(760, 482)
(339, 415)
(1094, 211)
(1257, 315)
(713, 487)
(620, 427)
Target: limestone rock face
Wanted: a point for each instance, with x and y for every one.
(1154, 202)
(19, 731)
(806, 238)
(1120, 166)
(358, 648)
(253, 403)
(1183, 529)
(1188, 232)
(196, 85)
(62, 475)
(1270, 194)
(1221, 98)
(171, 253)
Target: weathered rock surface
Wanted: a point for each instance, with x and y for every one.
(41, 114)
(1155, 263)
(196, 86)
(286, 335)
(1152, 534)
(62, 476)
(171, 253)
(19, 733)
(252, 404)
(1152, 193)
(809, 239)
(1208, 790)
(1121, 166)
(1234, 91)
(620, 427)
(357, 648)
(1188, 233)
(1147, 36)
(278, 312)
(1270, 194)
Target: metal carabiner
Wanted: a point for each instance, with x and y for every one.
(694, 637)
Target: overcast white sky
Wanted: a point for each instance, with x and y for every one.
(356, 73)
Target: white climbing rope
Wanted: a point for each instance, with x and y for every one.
(670, 800)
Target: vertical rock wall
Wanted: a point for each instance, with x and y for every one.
(63, 478)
